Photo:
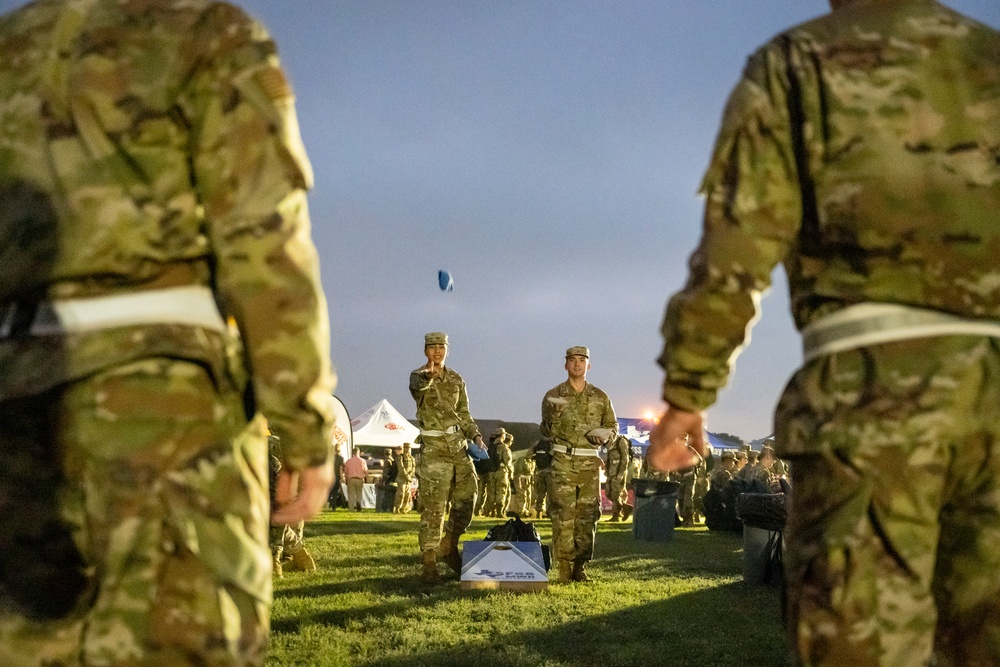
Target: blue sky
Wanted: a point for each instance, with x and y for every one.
(548, 154)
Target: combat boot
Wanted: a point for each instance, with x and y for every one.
(448, 552)
(565, 572)
(276, 567)
(626, 512)
(430, 570)
(616, 517)
(580, 572)
(302, 561)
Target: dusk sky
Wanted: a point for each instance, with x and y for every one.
(548, 154)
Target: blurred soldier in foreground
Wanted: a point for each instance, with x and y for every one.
(619, 458)
(445, 472)
(861, 150)
(152, 187)
(577, 418)
(406, 468)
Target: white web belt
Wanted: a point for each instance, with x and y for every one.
(437, 434)
(192, 305)
(867, 324)
(576, 451)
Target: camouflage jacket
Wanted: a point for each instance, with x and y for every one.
(568, 424)
(619, 457)
(407, 468)
(524, 466)
(153, 145)
(442, 402)
(504, 458)
(860, 150)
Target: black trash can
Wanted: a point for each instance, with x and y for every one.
(763, 516)
(655, 510)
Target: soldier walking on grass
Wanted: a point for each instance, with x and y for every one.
(619, 458)
(159, 298)
(445, 472)
(861, 150)
(577, 418)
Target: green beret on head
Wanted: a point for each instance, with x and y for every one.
(435, 338)
(578, 351)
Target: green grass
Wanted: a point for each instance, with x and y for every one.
(681, 603)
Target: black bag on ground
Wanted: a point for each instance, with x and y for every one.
(515, 530)
(762, 510)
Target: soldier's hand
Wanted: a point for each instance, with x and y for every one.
(301, 494)
(677, 441)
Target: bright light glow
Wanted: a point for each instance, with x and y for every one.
(649, 415)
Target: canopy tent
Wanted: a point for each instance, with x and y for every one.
(637, 431)
(383, 426)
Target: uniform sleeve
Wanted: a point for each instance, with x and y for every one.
(752, 218)
(548, 416)
(420, 382)
(609, 420)
(251, 174)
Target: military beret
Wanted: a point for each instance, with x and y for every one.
(436, 338)
(578, 351)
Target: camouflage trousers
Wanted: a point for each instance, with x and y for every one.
(133, 523)
(497, 493)
(893, 536)
(540, 494)
(482, 484)
(286, 540)
(446, 475)
(685, 497)
(524, 485)
(617, 493)
(574, 506)
(401, 504)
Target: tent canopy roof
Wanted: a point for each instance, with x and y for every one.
(383, 426)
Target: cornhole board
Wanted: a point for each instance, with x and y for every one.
(511, 566)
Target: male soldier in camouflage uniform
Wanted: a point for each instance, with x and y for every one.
(722, 474)
(524, 480)
(619, 457)
(407, 469)
(445, 472)
(488, 483)
(570, 412)
(861, 150)
(152, 187)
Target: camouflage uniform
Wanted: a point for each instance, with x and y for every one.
(149, 151)
(860, 150)
(445, 472)
(619, 457)
(498, 484)
(407, 470)
(524, 480)
(574, 485)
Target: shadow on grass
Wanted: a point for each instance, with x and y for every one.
(376, 525)
(701, 628)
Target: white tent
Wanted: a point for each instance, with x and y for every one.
(383, 426)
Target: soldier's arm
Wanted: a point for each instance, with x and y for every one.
(251, 175)
(752, 218)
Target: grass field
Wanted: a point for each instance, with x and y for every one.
(681, 603)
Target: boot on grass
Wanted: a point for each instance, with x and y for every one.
(276, 568)
(580, 571)
(448, 552)
(565, 572)
(429, 564)
(626, 512)
(302, 561)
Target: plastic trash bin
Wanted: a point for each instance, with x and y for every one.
(655, 510)
(763, 517)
